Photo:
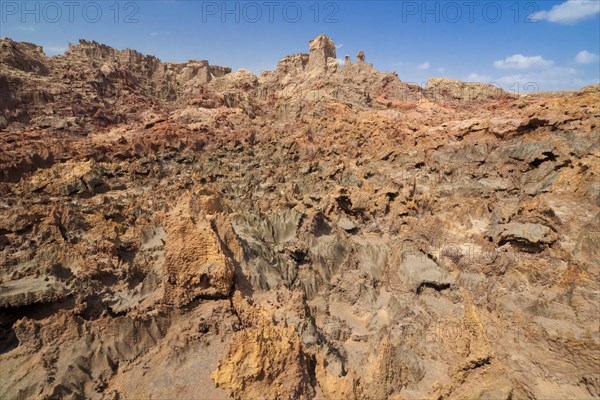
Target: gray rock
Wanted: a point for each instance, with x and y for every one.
(346, 224)
(418, 270)
(31, 290)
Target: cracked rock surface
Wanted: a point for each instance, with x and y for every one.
(317, 232)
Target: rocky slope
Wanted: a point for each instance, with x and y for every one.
(320, 231)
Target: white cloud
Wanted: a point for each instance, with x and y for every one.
(54, 50)
(339, 46)
(441, 69)
(473, 77)
(570, 11)
(519, 61)
(585, 57)
(423, 67)
(154, 34)
(26, 28)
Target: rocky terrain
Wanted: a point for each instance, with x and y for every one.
(321, 231)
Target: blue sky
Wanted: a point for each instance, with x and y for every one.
(552, 44)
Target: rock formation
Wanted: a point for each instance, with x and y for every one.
(347, 61)
(322, 50)
(91, 84)
(184, 231)
(448, 90)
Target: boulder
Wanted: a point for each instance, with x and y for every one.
(527, 236)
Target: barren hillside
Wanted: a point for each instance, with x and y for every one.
(320, 231)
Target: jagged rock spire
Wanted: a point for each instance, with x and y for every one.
(321, 49)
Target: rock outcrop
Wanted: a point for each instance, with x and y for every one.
(91, 84)
(195, 263)
(265, 360)
(322, 52)
(442, 89)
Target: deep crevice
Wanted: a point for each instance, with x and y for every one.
(437, 286)
(547, 156)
